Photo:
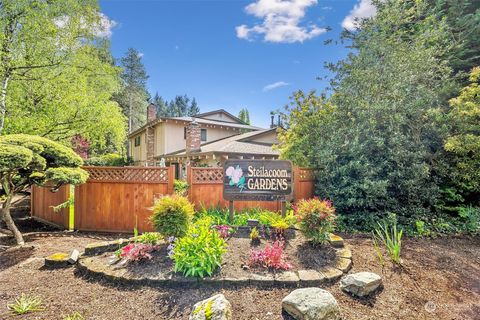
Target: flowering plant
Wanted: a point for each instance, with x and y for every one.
(236, 177)
(316, 219)
(271, 257)
(137, 251)
(223, 230)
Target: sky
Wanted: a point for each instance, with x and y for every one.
(233, 54)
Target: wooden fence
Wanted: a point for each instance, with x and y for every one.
(116, 199)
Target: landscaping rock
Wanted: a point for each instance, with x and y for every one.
(330, 273)
(57, 260)
(73, 258)
(336, 241)
(287, 278)
(344, 253)
(361, 284)
(213, 308)
(96, 248)
(343, 264)
(310, 277)
(311, 304)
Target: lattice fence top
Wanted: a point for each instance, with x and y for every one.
(128, 174)
(207, 175)
(306, 174)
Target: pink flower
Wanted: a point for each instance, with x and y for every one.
(237, 174)
(230, 171)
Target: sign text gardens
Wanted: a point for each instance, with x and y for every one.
(260, 180)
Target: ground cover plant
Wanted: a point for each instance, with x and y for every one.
(26, 304)
(271, 257)
(136, 252)
(172, 215)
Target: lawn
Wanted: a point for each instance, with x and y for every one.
(440, 279)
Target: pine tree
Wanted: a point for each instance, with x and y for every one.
(194, 109)
(162, 109)
(134, 96)
(244, 115)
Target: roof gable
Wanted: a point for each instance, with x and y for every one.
(220, 115)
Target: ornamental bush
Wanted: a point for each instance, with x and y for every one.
(199, 253)
(270, 257)
(316, 219)
(108, 160)
(172, 216)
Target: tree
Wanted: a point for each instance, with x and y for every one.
(133, 98)
(194, 109)
(244, 115)
(39, 37)
(26, 160)
(161, 105)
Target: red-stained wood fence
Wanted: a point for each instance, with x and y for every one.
(117, 199)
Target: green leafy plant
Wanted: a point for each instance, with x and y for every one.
(26, 304)
(254, 234)
(199, 253)
(180, 187)
(471, 218)
(149, 238)
(276, 221)
(74, 316)
(391, 238)
(421, 228)
(316, 219)
(172, 216)
(108, 160)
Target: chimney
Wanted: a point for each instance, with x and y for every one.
(192, 143)
(151, 112)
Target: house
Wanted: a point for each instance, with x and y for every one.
(206, 139)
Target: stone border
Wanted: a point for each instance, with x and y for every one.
(299, 278)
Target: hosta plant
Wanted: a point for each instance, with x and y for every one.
(270, 257)
(199, 253)
(316, 219)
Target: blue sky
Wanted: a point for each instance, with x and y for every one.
(233, 54)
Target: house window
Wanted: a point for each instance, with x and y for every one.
(137, 141)
(203, 134)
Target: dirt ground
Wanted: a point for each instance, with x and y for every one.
(440, 280)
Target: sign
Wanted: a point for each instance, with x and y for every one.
(261, 180)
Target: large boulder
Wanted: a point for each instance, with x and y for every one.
(361, 284)
(213, 308)
(311, 304)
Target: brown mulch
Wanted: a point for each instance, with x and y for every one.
(442, 273)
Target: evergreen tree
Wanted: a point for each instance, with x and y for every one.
(134, 95)
(244, 115)
(162, 110)
(181, 105)
(194, 109)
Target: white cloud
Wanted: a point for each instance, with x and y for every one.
(363, 9)
(105, 26)
(275, 85)
(140, 54)
(280, 21)
(326, 8)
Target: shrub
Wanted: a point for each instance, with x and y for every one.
(199, 252)
(149, 238)
(316, 219)
(172, 215)
(25, 304)
(276, 220)
(137, 251)
(254, 234)
(271, 257)
(180, 187)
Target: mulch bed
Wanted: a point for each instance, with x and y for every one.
(442, 273)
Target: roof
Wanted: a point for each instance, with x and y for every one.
(235, 144)
(240, 125)
(205, 114)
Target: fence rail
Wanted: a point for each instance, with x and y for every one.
(117, 199)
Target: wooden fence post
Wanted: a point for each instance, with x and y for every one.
(171, 178)
(189, 181)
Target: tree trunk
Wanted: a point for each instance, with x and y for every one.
(3, 101)
(6, 216)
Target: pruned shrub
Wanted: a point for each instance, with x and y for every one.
(172, 215)
(316, 219)
(199, 253)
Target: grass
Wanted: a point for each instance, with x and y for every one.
(391, 238)
(74, 316)
(26, 304)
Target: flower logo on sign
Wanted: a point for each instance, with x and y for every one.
(236, 177)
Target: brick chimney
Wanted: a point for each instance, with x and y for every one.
(151, 112)
(150, 134)
(192, 143)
